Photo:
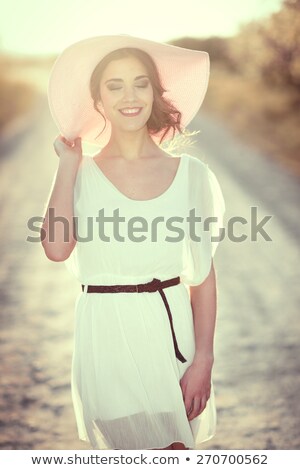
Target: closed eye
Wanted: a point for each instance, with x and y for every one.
(138, 86)
(143, 84)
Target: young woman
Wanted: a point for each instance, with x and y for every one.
(145, 318)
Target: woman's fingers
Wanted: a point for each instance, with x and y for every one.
(188, 403)
(195, 409)
(64, 147)
(203, 403)
(199, 404)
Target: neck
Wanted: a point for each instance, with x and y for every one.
(131, 145)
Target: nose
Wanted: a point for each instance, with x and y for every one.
(129, 94)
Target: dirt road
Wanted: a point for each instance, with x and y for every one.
(256, 371)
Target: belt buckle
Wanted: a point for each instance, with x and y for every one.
(156, 283)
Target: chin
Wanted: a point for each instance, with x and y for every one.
(133, 127)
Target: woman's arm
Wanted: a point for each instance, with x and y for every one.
(196, 381)
(204, 301)
(58, 236)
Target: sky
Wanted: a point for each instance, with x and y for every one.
(37, 27)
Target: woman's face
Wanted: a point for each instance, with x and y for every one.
(126, 94)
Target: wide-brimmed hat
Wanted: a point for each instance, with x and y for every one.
(184, 73)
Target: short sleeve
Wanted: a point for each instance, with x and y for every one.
(205, 229)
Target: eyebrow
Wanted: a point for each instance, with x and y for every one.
(120, 79)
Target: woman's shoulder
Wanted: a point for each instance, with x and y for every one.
(195, 163)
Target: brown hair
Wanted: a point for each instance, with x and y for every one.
(164, 114)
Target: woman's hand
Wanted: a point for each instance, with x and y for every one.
(196, 386)
(67, 150)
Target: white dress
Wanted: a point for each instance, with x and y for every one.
(125, 375)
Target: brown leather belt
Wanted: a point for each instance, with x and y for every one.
(152, 286)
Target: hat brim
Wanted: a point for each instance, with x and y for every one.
(184, 74)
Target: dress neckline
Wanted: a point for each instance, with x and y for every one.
(139, 201)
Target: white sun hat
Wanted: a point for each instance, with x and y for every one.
(184, 73)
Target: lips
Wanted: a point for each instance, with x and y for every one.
(129, 112)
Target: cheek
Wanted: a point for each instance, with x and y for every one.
(108, 102)
(148, 98)
(107, 99)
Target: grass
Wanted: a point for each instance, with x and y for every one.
(266, 118)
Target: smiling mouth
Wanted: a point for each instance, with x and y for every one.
(129, 112)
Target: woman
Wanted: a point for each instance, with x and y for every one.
(143, 351)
